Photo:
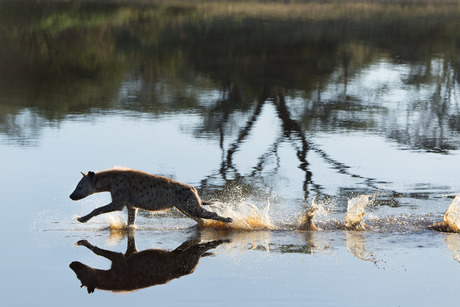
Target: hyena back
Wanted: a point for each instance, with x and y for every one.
(137, 190)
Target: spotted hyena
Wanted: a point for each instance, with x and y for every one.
(140, 269)
(138, 190)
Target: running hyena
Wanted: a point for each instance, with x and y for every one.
(137, 190)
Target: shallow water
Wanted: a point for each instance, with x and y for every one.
(262, 107)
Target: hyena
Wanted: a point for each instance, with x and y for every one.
(138, 190)
(136, 270)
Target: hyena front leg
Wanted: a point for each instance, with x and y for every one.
(99, 251)
(113, 206)
(131, 215)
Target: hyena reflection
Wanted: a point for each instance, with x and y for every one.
(137, 190)
(136, 270)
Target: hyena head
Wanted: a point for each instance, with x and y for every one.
(86, 274)
(85, 187)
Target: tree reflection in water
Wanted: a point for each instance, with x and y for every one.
(382, 68)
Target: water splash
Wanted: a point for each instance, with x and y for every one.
(451, 219)
(258, 214)
(355, 212)
(116, 222)
(353, 216)
(305, 220)
(246, 216)
(118, 228)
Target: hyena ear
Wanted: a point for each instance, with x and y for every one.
(92, 175)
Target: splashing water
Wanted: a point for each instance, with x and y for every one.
(258, 214)
(353, 216)
(118, 228)
(305, 220)
(355, 212)
(246, 216)
(452, 215)
(451, 219)
(116, 222)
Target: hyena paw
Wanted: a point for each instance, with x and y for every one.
(82, 219)
(227, 220)
(82, 242)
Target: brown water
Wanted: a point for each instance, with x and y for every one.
(262, 106)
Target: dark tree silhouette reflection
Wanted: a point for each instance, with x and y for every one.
(292, 133)
(384, 68)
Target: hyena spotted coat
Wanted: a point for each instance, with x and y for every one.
(138, 190)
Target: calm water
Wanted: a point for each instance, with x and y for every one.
(261, 106)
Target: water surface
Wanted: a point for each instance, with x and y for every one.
(261, 106)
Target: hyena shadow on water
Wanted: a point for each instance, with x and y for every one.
(138, 190)
(141, 269)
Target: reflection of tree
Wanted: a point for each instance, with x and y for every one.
(227, 164)
(292, 132)
(66, 58)
(432, 122)
(21, 128)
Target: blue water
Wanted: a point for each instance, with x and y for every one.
(262, 113)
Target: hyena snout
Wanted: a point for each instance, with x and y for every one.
(75, 196)
(80, 192)
(85, 187)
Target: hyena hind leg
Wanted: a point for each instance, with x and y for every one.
(197, 213)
